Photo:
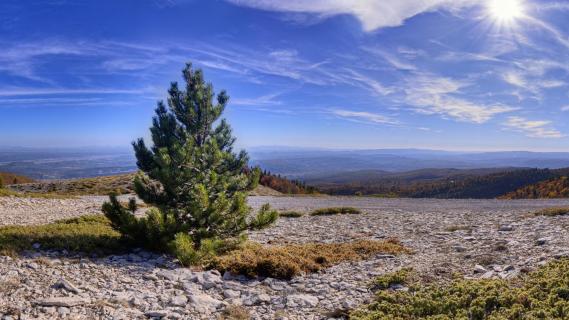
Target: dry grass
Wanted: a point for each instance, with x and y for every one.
(10, 193)
(121, 184)
(234, 312)
(335, 210)
(552, 212)
(11, 178)
(285, 262)
(83, 234)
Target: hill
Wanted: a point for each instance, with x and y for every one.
(11, 178)
(123, 185)
(480, 187)
(86, 186)
(284, 185)
(550, 189)
(437, 183)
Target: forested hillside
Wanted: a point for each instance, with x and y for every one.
(554, 188)
(482, 187)
(284, 185)
(456, 183)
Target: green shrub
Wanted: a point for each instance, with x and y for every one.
(335, 210)
(290, 214)
(552, 212)
(183, 248)
(387, 280)
(265, 217)
(543, 294)
(191, 175)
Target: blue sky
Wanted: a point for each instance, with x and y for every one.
(456, 75)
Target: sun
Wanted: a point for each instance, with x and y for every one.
(506, 10)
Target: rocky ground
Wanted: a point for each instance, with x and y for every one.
(478, 238)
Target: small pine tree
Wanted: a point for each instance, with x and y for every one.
(190, 174)
(1, 182)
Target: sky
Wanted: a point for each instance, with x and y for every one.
(438, 74)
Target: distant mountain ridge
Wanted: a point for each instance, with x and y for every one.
(313, 164)
(303, 163)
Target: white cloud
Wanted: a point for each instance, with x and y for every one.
(392, 60)
(429, 94)
(565, 108)
(362, 116)
(532, 128)
(534, 84)
(265, 100)
(373, 14)
(366, 82)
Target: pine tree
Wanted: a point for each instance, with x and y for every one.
(190, 173)
(1, 182)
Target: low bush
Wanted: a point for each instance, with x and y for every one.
(290, 214)
(92, 234)
(390, 279)
(552, 212)
(287, 261)
(543, 294)
(335, 210)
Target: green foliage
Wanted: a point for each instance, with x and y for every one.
(1, 183)
(84, 234)
(264, 218)
(543, 294)
(184, 249)
(552, 212)
(335, 210)
(387, 280)
(190, 174)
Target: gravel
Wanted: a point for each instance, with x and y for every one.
(478, 238)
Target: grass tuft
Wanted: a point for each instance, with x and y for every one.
(552, 212)
(290, 214)
(285, 262)
(335, 210)
(92, 234)
(543, 294)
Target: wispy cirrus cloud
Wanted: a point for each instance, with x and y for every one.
(372, 14)
(392, 60)
(532, 128)
(429, 94)
(365, 117)
(264, 100)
